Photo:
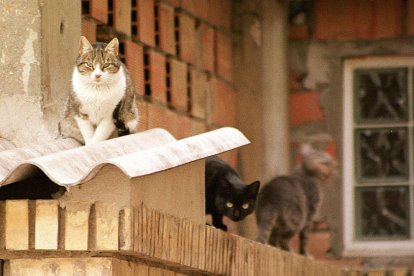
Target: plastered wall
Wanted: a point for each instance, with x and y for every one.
(37, 49)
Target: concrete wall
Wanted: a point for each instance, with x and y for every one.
(261, 80)
(37, 52)
(178, 191)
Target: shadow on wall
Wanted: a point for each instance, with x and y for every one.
(38, 187)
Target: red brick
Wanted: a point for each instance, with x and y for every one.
(298, 32)
(166, 28)
(358, 19)
(226, 17)
(305, 107)
(178, 82)
(223, 104)
(189, 6)
(187, 39)
(162, 117)
(122, 16)
(157, 74)
(178, 125)
(156, 115)
(183, 126)
(387, 19)
(197, 126)
(170, 122)
(89, 29)
(175, 3)
(143, 114)
(331, 149)
(145, 22)
(224, 58)
(99, 10)
(219, 13)
(410, 17)
(134, 60)
(378, 19)
(199, 86)
(207, 47)
(197, 8)
(333, 25)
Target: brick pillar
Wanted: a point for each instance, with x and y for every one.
(36, 65)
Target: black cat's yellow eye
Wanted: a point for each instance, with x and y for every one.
(245, 205)
(229, 204)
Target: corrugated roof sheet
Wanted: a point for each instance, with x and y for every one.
(67, 163)
(5, 144)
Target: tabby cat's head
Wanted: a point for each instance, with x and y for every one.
(235, 201)
(319, 164)
(98, 63)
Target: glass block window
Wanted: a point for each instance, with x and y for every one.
(378, 156)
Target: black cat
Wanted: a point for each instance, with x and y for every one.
(226, 194)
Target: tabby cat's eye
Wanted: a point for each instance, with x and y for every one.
(245, 205)
(88, 64)
(106, 65)
(229, 205)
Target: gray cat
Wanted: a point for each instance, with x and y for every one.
(101, 103)
(287, 204)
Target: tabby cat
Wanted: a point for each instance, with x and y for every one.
(287, 204)
(101, 103)
(227, 194)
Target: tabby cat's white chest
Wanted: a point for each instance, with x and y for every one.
(98, 101)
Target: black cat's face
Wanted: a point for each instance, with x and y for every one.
(235, 202)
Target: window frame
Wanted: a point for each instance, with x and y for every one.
(351, 246)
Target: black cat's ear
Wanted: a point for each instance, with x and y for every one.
(253, 189)
(84, 45)
(113, 46)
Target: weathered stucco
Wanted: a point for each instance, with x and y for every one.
(21, 120)
(38, 45)
(20, 48)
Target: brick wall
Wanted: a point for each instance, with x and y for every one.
(127, 233)
(39, 236)
(364, 26)
(179, 54)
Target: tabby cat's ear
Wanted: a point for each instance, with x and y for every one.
(84, 45)
(113, 46)
(253, 189)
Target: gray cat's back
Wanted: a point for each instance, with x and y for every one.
(284, 200)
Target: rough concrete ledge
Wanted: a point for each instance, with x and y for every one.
(36, 229)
